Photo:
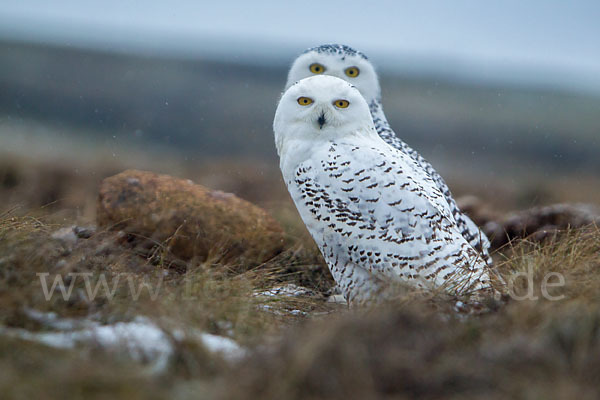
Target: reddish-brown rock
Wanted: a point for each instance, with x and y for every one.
(535, 224)
(538, 223)
(190, 219)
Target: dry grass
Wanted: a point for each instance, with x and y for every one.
(416, 346)
(520, 352)
(419, 347)
(204, 297)
(565, 266)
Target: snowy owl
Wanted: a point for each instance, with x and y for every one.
(376, 215)
(353, 66)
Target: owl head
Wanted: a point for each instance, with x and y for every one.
(321, 108)
(340, 61)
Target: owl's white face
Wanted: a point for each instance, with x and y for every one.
(351, 67)
(321, 108)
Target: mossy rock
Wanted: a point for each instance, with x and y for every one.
(190, 220)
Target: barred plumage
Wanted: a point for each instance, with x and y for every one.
(335, 59)
(375, 214)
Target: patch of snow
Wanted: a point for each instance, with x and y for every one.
(227, 347)
(270, 309)
(289, 290)
(66, 234)
(140, 339)
(337, 299)
(459, 306)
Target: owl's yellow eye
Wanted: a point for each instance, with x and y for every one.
(316, 68)
(341, 103)
(305, 101)
(352, 72)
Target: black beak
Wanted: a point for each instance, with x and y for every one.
(321, 120)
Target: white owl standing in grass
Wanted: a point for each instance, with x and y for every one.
(377, 216)
(353, 66)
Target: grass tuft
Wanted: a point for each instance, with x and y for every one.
(539, 343)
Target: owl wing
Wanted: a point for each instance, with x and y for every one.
(370, 206)
(467, 227)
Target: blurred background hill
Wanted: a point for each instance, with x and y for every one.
(504, 101)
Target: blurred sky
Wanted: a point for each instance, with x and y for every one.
(544, 40)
